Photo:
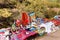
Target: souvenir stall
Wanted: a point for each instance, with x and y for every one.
(22, 33)
(28, 26)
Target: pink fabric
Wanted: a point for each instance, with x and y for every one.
(24, 36)
(2, 37)
(1, 32)
(18, 22)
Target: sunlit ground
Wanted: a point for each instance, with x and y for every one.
(53, 36)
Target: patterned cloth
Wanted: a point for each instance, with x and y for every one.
(13, 27)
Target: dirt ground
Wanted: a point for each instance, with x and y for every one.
(52, 36)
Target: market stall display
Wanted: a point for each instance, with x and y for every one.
(28, 26)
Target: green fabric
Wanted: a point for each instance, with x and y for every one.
(13, 27)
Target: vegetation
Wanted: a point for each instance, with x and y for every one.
(11, 9)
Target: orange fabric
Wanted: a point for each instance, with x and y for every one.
(25, 18)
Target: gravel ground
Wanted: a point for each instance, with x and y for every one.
(52, 36)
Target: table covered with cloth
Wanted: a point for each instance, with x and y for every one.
(24, 35)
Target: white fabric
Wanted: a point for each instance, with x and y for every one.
(27, 26)
(32, 24)
(47, 26)
(3, 36)
(7, 33)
